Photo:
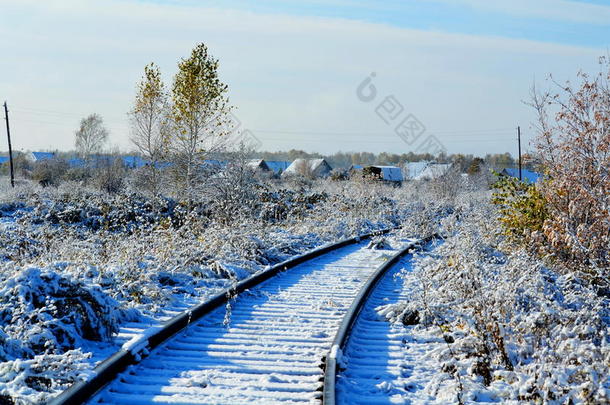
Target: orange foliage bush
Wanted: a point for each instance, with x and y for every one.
(574, 147)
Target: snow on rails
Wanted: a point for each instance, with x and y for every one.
(267, 340)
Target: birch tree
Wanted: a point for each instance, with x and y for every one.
(149, 124)
(90, 136)
(199, 112)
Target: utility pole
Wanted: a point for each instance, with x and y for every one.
(519, 142)
(10, 149)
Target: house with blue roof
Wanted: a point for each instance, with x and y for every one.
(134, 161)
(3, 159)
(130, 161)
(277, 166)
(526, 175)
(391, 174)
(39, 156)
(76, 162)
(258, 165)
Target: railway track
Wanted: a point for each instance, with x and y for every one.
(267, 343)
(372, 361)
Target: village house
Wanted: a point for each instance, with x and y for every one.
(313, 168)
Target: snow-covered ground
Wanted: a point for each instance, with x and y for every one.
(513, 328)
(82, 272)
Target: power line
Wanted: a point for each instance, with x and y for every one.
(35, 110)
(482, 132)
(38, 112)
(449, 136)
(386, 138)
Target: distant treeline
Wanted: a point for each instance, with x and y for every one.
(346, 159)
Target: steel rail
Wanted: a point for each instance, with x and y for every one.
(108, 369)
(350, 317)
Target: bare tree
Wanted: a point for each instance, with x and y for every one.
(91, 135)
(232, 191)
(303, 168)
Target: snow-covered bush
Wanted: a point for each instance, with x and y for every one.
(515, 329)
(233, 193)
(574, 149)
(49, 172)
(110, 177)
(46, 315)
(29, 381)
(47, 312)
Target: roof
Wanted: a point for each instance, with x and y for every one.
(414, 169)
(215, 162)
(105, 160)
(318, 167)
(433, 171)
(3, 159)
(134, 161)
(277, 165)
(316, 163)
(163, 165)
(526, 175)
(258, 164)
(42, 155)
(390, 173)
(76, 162)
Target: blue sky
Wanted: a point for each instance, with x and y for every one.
(462, 67)
(521, 19)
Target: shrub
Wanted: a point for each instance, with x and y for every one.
(78, 174)
(49, 172)
(522, 209)
(111, 177)
(574, 149)
(49, 312)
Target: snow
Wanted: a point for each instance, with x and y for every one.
(138, 343)
(496, 323)
(143, 267)
(336, 353)
(433, 171)
(476, 302)
(284, 326)
(317, 167)
(387, 362)
(517, 330)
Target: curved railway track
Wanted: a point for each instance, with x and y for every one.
(265, 341)
(368, 363)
